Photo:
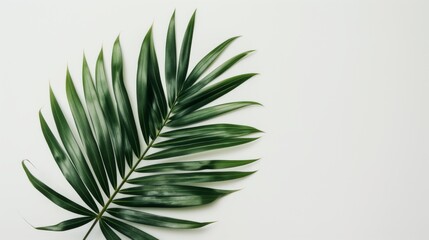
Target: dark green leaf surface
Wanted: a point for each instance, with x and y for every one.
(187, 141)
(185, 53)
(152, 106)
(144, 93)
(171, 61)
(157, 86)
(200, 145)
(154, 120)
(86, 135)
(126, 115)
(128, 230)
(107, 231)
(68, 224)
(55, 197)
(171, 199)
(127, 150)
(110, 113)
(206, 62)
(182, 178)
(153, 220)
(99, 124)
(213, 75)
(73, 149)
(211, 93)
(171, 190)
(65, 165)
(193, 142)
(207, 113)
(194, 165)
(212, 130)
(145, 97)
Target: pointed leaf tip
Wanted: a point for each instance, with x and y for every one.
(67, 225)
(100, 54)
(53, 196)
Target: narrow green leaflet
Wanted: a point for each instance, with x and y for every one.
(181, 178)
(110, 113)
(194, 142)
(86, 135)
(187, 141)
(107, 231)
(172, 190)
(212, 130)
(144, 93)
(172, 201)
(161, 103)
(207, 113)
(194, 165)
(68, 224)
(128, 230)
(200, 145)
(213, 75)
(99, 124)
(154, 120)
(206, 62)
(154, 220)
(127, 150)
(126, 115)
(152, 106)
(55, 197)
(73, 149)
(211, 93)
(65, 165)
(171, 61)
(197, 134)
(167, 202)
(185, 53)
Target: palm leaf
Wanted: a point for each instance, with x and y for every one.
(108, 137)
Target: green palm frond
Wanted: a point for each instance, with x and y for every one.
(113, 171)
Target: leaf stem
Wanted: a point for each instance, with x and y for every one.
(124, 180)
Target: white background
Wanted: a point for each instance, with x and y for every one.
(346, 118)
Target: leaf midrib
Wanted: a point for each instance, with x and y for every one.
(132, 170)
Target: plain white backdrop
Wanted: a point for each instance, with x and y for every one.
(346, 111)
